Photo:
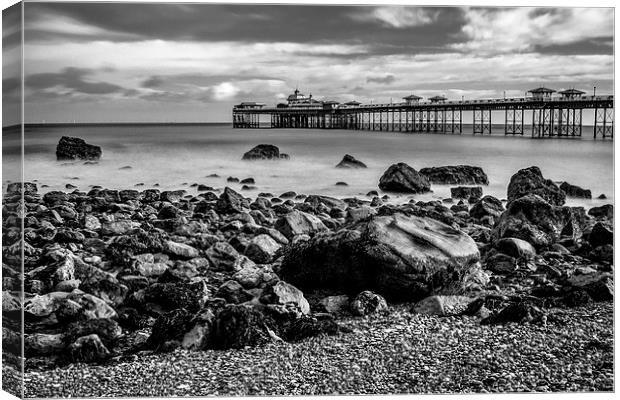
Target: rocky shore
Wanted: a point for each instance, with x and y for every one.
(307, 294)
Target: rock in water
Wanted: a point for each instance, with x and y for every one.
(400, 257)
(402, 178)
(348, 161)
(575, 191)
(264, 152)
(487, 206)
(71, 148)
(456, 175)
(466, 192)
(531, 181)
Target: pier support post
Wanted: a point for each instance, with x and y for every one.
(604, 123)
(482, 121)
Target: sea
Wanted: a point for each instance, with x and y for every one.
(175, 156)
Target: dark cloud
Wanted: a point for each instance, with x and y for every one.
(387, 79)
(152, 82)
(72, 78)
(582, 47)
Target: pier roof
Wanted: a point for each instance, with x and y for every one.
(541, 89)
(352, 103)
(571, 91)
(436, 99)
(412, 97)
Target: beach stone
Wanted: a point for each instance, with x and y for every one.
(43, 344)
(106, 329)
(456, 175)
(487, 206)
(264, 152)
(336, 304)
(604, 211)
(169, 327)
(516, 248)
(329, 202)
(72, 148)
(250, 276)
(200, 336)
(189, 296)
(91, 222)
(233, 292)
(299, 223)
(402, 178)
(172, 196)
(180, 249)
(100, 283)
(599, 285)
(442, 305)
(17, 187)
(530, 181)
(355, 214)
(283, 293)
(398, 256)
(309, 326)
(471, 193)
(519, 311)
(538, 222)
(575, 191)
(262, 249)
(348, 161)
(231, 202)
(368, 302)
(238, 326)
(602, 234)
(121, 227)
(222, 256)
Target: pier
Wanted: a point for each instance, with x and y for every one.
(546, 114)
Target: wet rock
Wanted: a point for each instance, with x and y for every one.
(283, 293)
(249, 181)
(231, 202)
(222, 256)
(602, 234)
(599, 285)
(575, 191)
(402, 178)
(106, 329)
(604, 211)
(71, 148)
(263, 152)
(233, 292)
(238, 326)
(367, 302)
(299, 223)
(348, 161)
(169, 330)
(456, 175)
(262, 249)
(400, 257)
(100, 283)
(190, 296)
(115, 228)
(516, 248)
(342, 184)
(21, 187)
(336, 304)
(355, 214)
(530, 181)
(470, 193)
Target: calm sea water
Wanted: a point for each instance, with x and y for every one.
(177, 156)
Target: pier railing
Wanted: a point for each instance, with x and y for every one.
(549, 116)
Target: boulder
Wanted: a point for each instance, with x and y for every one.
(604, 211)
(233, 292)
(283, 293)
(190, 296)
(602, 234)
(309, 326)
(487, 206)
(88, 349)
(169, 327)
(101, 284)
(575, 191)
(336, 304)
(348, 161)
(264, 152)
(231, 202)
(400, 257)
(470, 193)
(262, 249)
(28, 188)
(238, 326)
(299, 223)
(181, 250)
(367, 303)
(456, 175)
(71, 148)
(222, 256)
(538, 222)
(402, 178)
(43, 344)
(516, 248)
(442, 305)
(599, 285)
(530, 181)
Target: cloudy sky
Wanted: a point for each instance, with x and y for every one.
(181, 62)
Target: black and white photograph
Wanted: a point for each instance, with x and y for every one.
(307, 199)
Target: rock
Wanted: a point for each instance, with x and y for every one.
(575, 191)
(367, 302)
(231, 202)
(189, 296)
(307, 326)
(603, 254)
(88, 349)
(22, 187)
(299, 223)
(539, 223)
(100, 283)
(121, 227)
(602, 234)
(249, 181)
(501, 264)
(456, 175)
(400, 257)
(402, 178)
(71, 148)
(169, 327)
(262, 249)
(336, 304)
(222, 256)
(599, 285)
(470, 193)
(530, 181)
(264, 152)
(200, 336)
(238, 326)
(520, 312)
(43, 344)
(342, 184)
(106, 329)
(442, 305)
(604, 211)
(348, 161)
(283, 293)
(250, 276)
(602, 196)
(487, 206)
(516, 248)
(355, 214)
(180, 249)
(233, 292)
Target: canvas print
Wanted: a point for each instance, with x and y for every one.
(212, 199)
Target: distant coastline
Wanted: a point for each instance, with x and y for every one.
(67, 124)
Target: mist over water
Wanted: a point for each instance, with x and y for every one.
(173, 155)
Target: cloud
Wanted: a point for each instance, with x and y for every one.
(506, 30)
(152, 82)
(387, 79)
(71, 80)
(399, 16)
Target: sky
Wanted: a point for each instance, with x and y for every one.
(121, 62)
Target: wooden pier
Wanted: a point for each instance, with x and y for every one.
(548, 115)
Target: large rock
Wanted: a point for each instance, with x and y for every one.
(283, 293)
(602, 234)
(575, 191)
(531, 181)
(189, 296)
(367, 303)
(238, 326)
(487, 206)
(400, 257)
(402, 178)
(181, 250)
(456, 175)
(263, 152)
(348, 161)
(539, 223)
(604, 211)
(470, 193)
(299, 223)
(262, 249)
(231, 202)
(71, 148)
(516, 248)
